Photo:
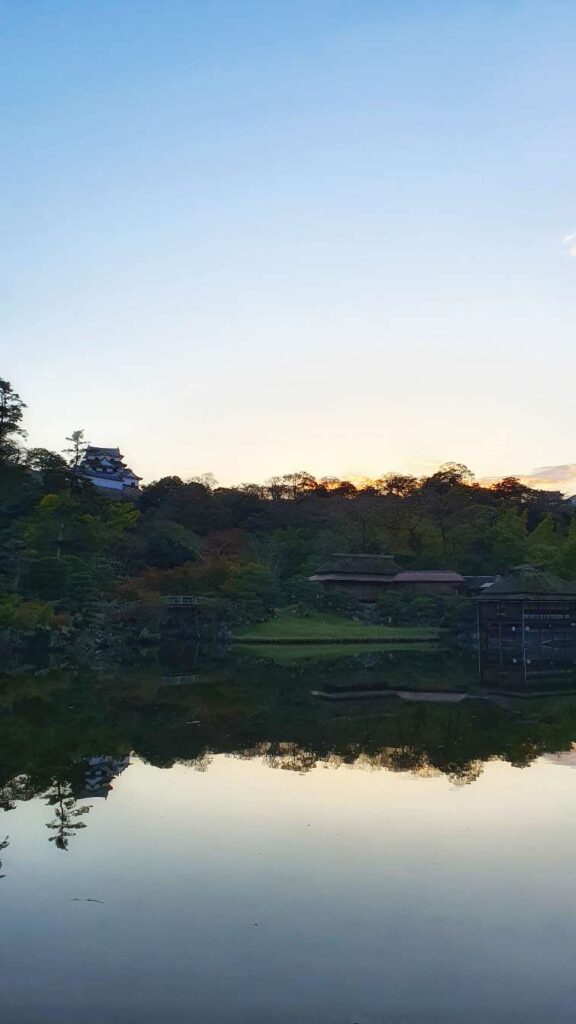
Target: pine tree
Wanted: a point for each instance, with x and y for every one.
(544, 543)
(11, 413)
(508, 541)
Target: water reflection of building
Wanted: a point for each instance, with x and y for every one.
(529, 669)
(528, 607)
(565, 758)
(98, 774)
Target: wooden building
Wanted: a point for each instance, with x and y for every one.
(367, 577)
(527, 606)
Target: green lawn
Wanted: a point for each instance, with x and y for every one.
(320, 626)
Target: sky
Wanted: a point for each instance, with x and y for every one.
(250, 237)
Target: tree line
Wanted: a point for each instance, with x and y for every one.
(65, 548)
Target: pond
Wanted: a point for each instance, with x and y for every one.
(223, 844)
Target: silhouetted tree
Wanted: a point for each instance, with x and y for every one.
(76, 452)
(3, 845)
(53, 467)
(11, 431)
(66, 812)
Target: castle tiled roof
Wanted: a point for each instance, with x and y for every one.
(93, 450)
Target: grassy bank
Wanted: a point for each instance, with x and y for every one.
(325, 627)
(289, 654)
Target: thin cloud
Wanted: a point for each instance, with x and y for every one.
(544, 478)
(556, 478)
(570, 244)
(558, 474)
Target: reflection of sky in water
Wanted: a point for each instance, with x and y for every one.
(247, 894)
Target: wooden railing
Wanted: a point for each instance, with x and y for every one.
(162, 601)
(177, 680)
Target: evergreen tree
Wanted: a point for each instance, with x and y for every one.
(76, 453)
(11, 413)
(507, 541)
(565, 561)
(544, 543)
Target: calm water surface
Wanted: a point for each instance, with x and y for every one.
(385, 873)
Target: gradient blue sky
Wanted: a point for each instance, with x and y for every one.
(252, 236)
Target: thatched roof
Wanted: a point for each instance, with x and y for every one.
(428, 576)
(528, 581)
(364, 565)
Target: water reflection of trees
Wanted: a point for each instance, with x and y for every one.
(292, 757)
(65, 822)
(3, 845)
(51, 726)
(15, 791)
